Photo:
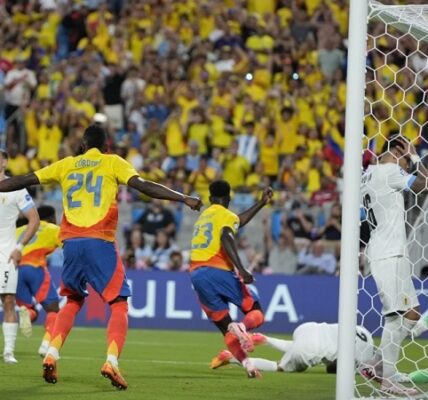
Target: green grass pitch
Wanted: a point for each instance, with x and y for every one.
(159, 365)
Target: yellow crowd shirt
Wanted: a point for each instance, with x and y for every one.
(206, 240)
(89, 184)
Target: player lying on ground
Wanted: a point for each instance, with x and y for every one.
(89, 185)
(382, 190)
(214, 258)
(313, 344)
(11, 204)
(34, 280)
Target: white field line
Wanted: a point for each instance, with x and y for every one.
(127, 359)
(130, 342)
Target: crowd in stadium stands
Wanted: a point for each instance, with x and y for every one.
(251, 91)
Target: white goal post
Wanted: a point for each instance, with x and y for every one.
(354, 127)
(384, 87)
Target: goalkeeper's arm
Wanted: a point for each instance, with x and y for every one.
(421, 182)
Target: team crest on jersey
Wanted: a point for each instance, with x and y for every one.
(27, 197)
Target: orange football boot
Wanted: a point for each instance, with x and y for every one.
(111, 372)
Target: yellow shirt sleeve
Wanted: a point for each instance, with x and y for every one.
(231, 220)
(123, 169)
(51, 173)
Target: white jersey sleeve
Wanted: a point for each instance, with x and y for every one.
(10, 205)
(399, 179)
(23, 200)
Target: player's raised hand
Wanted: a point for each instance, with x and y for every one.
(15, 257)
(267, 195)
(195, 203)
(247, 277)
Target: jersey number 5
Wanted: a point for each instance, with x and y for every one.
(87, 181)
(207, 232)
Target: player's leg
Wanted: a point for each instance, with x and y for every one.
(277, 344)
(106, 274)
(262, 364)
(51, 309)
(400, 307)
(8, 284)
(213, 287)
(240, 295)
(74, 288)
(30, 280)
(47, 296)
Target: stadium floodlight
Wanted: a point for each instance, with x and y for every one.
(387, 85)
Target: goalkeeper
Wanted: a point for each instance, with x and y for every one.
(383, 185)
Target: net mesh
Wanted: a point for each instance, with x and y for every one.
(396, 102)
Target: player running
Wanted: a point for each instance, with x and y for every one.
(213, 258)
(382, 193)
(313, 344)
(90, 184)
(34, 280)
(11, 204)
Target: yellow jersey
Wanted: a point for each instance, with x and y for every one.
(44, 242)
(89, 184)
(206, 249)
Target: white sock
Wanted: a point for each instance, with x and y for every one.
(396, 329)
(279, 344)
(45, 344)
(53, 351)
(264, 365)
(10, 330)
(113, 360)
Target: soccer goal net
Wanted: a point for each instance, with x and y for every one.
(396, 103)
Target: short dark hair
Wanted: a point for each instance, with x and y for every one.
(95, 136)
(3, 152)
(220, 189)
(393, 141)
(46, 212)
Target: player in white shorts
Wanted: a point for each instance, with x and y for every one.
(313, 344)
(382, 188)
(11, 204)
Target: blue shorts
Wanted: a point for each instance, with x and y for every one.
(35, 282)
(216, 288)
(93, 261)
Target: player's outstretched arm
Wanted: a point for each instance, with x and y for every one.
(421, 182)
(159, 191)
(249, 214)
(229, 245)
(33, 224)
(18, 182)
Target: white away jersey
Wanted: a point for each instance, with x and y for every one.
(382, 188)
(10, 205)
(317, 342)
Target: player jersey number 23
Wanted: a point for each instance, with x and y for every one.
(206, 241)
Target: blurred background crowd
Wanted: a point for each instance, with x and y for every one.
(190, 91)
